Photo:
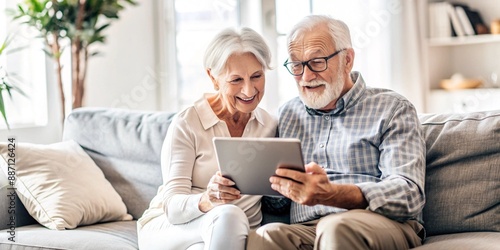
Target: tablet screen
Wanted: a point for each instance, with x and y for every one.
(250, 162)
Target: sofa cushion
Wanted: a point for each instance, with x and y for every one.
(49, 181)
(472, 240)
(126, 145)
(120, 235)
(463, 172)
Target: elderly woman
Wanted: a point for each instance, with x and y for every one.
(196, 207)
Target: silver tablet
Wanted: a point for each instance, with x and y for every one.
(249, 162)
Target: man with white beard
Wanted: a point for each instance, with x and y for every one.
(363, 187)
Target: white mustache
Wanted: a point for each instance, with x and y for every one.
(314, 83)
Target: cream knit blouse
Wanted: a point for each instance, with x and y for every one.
(188, 162)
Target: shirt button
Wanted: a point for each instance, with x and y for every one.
(327, 117)
(321, 145)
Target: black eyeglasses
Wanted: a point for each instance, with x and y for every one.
(318, 64)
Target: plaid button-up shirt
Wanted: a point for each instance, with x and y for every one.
(373, 139)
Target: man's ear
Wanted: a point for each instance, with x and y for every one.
(349, 60)
(212, 78)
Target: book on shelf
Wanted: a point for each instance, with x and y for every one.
(464, 19)
(439, 22)
(477, 22)
(448, 19)
(456, 25)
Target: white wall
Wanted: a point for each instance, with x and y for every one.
(124, 74)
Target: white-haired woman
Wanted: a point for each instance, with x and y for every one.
(195, 207)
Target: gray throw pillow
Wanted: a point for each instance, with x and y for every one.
(463, 172)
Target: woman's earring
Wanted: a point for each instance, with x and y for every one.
(216, 87)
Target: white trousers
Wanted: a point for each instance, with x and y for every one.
(223, 227)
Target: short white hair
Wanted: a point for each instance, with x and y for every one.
(338, 30)
(232, 41)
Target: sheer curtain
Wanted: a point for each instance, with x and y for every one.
(407, 74)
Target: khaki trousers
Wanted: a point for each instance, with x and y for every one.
(354, 229)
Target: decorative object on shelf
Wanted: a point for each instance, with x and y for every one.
(495, 26)
(81, 22)
(458, 81)
(477, 22)
(494, 80)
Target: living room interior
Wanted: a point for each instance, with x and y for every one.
(150, 67)
(152, 58)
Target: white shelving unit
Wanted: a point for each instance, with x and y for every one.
(467, 40)
(465, 100)
(475, 57)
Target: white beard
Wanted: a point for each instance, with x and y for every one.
(331, 92)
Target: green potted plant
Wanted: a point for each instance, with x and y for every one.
(5, 85)
(81, 22)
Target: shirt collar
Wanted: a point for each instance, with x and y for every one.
(209, 119)
(348, 99)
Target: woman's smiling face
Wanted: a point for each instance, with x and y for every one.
(241, 85)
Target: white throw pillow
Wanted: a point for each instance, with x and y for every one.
(61, 186)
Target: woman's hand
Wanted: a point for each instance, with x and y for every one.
(219, 191)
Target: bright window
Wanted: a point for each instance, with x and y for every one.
(196, 24)
(197, 21)
(24, 64)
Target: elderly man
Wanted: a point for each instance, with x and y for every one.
(364, 184)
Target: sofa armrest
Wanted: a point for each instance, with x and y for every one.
(12, 212)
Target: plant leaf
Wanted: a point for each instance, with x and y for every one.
(2, 110)
(132, 2)
(20, 7)
(94, 53)
(102, 27)
(5, 44)
(19, 90)
(48, 52)
(37, 6)
(7, 87)
(16, 49)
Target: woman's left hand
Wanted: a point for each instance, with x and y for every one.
(219, 191)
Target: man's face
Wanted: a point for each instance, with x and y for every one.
(318, 90)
